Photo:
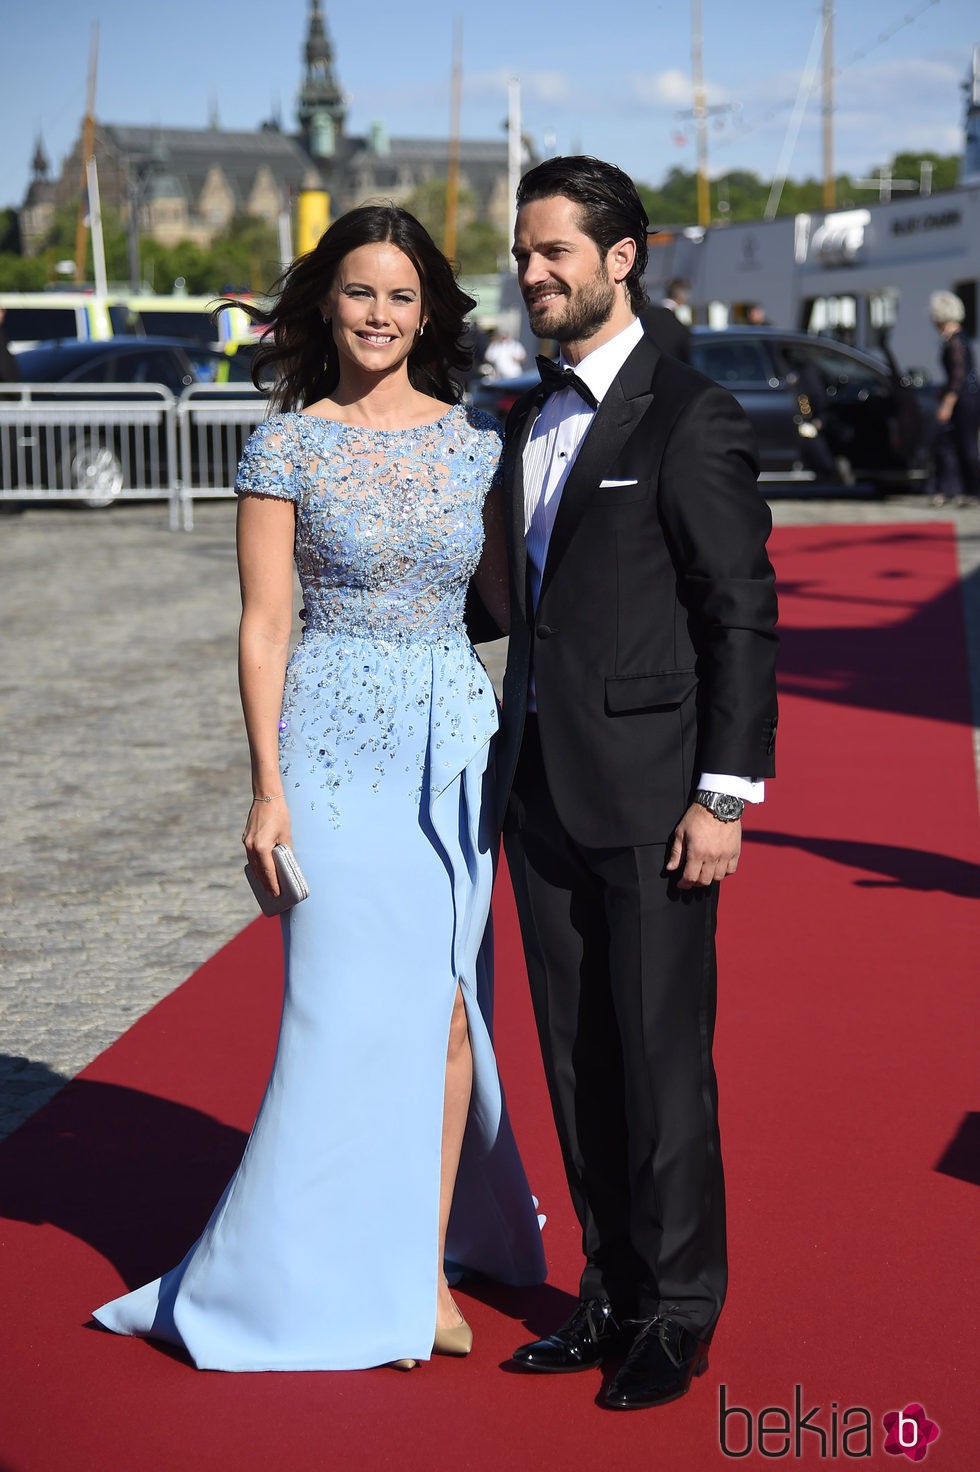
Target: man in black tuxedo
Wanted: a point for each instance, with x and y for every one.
(639, 713)
(669, 333)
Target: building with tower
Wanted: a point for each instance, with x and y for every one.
(190, 183)
(321, 112)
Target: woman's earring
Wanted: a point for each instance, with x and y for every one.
(326, 321)
(421, 328)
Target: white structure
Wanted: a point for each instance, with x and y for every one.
(849, 273)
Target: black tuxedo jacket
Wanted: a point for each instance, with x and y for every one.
(668, 332)
(653, 643)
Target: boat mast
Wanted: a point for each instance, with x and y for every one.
(452, 178)
(829, 187)
(700, 113)
(514, 160)
(88, 139)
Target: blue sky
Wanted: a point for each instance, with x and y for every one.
(612, 87)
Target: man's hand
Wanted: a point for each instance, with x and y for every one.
(704, 849)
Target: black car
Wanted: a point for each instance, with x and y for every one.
(824, 414)
(175, 362)
(119, 437)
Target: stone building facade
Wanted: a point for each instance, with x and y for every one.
(190, 183)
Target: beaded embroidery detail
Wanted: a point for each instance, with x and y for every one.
(389, 530)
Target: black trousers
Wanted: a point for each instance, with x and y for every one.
(623, 979)
(956, 459)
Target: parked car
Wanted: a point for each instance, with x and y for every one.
(871, 417)
(175, 362)
(117, 437)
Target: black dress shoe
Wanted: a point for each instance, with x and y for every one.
(583, 1342)
(660, 1367)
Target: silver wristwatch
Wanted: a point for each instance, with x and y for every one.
(722, 805)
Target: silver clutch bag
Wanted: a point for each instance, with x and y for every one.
(292, 886)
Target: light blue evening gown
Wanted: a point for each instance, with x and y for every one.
(321, 1254)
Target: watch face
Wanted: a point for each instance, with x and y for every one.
(727, 806)
(723, 805)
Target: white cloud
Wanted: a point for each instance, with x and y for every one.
(672, 90)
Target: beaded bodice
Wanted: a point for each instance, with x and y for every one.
(388, 522)
(389, 530)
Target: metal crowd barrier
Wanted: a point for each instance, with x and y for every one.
(213, 421)
(100, 443)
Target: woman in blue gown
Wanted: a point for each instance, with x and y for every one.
(381, 1162)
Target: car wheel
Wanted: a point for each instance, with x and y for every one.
(94, 468)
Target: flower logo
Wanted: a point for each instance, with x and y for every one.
(910, 1432)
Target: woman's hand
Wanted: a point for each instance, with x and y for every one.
(945, 411)
(266, 825)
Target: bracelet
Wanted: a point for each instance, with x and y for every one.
(268, 799)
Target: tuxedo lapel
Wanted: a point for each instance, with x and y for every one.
(621, 410)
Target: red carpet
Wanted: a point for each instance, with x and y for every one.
(846, 1052)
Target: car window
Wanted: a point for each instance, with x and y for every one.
(139, 365)
(240, 370)
(124, 320)
(838, 368)
(734, 361)
(102, 369)
(194, 325)
(206, 367)
(37, 324)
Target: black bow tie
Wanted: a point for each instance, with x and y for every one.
(555, 377)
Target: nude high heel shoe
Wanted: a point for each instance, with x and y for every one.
(458, 1339)
(404, 1364)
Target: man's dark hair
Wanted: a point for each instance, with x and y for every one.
(610, 208)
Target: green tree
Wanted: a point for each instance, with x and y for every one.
(22, 273)
(803, 196)
(673, 201)
(427, 202)
(245, 256)
(59, 245)
(9, 232)
(480, 246)
(945, 168)
(163, 266)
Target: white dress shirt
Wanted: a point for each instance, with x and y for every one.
(554, 442)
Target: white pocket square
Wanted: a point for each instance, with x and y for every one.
(605, 485)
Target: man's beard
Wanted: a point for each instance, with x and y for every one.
(585, 312)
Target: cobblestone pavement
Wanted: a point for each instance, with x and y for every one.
(126, 773)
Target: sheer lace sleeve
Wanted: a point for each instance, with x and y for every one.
(954, 362)
(488, 427)
(269, 464)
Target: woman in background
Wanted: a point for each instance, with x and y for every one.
(956, 457)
